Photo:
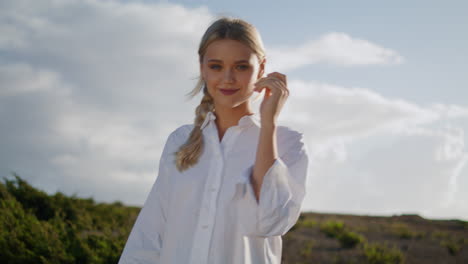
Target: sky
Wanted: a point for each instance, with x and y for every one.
(90, 90)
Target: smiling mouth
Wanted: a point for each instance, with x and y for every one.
(229, 91)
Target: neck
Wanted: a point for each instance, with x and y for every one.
(227, 117)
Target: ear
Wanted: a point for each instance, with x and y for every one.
(261, 71)
(201, 72)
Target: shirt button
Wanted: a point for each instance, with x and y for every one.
(205, 226)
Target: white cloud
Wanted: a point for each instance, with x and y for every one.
(390, 174)
(332, 48)
(86, 89)
(377, 155)
(334, 111)
(21, 78)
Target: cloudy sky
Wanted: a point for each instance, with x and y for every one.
(90, 90)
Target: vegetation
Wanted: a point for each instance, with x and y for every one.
(346, 238)
(383, 254)
(332, 228)
(349, 239)
(38, 228)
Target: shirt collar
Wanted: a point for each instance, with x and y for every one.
(244, 122)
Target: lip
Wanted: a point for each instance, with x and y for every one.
(229, 91)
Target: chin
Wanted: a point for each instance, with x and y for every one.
(231, 104)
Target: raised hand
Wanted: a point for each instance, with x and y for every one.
(276, 93)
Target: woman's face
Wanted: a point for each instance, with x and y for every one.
(230, 65)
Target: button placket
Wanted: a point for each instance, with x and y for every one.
(207, 215)
(231, 140)
(210, 197)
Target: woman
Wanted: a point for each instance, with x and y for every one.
(231, 184)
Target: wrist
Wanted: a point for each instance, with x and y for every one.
(268, 125)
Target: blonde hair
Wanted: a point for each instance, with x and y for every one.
(223, 28)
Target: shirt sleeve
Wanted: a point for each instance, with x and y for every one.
(281, 195)
(146, 238)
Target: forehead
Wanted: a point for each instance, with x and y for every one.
(229, 50)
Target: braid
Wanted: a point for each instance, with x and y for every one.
(190, 152)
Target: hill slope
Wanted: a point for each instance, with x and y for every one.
(39, 228)
(341, 238)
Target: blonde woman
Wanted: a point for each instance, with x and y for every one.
(232, 183)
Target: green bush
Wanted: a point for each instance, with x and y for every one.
(25, 239)
(309, 223)
(40, 228)
(332, 228)
(382, 254)
(349, 239)
(346, 238)
(403, 231)
(38, 202)
(452, 246)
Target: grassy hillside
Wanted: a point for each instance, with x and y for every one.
(339, 238)
(40, 228)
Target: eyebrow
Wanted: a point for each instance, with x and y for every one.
(239, 61)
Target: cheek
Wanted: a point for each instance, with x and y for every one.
(250, 81)
(213, 77)
(247, 78)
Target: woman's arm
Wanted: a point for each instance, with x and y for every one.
(145, 241)
(278, 205)
(267, 153)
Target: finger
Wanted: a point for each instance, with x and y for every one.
(260, 86)
(278, 87)
(263, 84)
(270, 84)
(279, 79)
(261, 80)
(281, 88)
(278, 75)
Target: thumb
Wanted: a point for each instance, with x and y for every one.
(267, 93)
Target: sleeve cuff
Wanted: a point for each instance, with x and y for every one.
(275, 186)
(271, 215)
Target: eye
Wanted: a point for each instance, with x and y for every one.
(243, 67)
(215, 66)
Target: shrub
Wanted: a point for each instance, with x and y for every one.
(25, 239)
(402, 231)
(332, 228)
(382, 254)
(39, 228)
(439, 235)
(452, 246)
(38, 202)
(309, 223)
(349, 239)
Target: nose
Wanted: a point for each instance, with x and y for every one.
(229, 76)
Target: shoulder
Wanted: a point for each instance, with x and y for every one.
(287, 135)
(176, 138)
(182, 131)
(180, 134)
(291, 143)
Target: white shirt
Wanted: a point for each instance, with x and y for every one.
(209, 213)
